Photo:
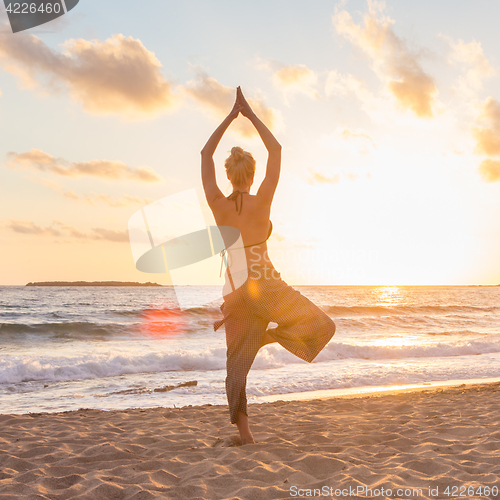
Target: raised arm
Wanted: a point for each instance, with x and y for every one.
(270, 182)
(212, 191)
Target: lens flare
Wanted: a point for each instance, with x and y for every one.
(162, 323)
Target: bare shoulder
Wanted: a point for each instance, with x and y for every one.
(263, 198)
(218, 204)
(260, 207)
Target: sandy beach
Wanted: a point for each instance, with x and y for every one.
(415, 443)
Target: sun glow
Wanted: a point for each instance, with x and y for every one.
(388, 296)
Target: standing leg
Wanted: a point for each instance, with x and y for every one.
(244, 429)
(244, 334)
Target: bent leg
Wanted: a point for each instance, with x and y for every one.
(303, 328)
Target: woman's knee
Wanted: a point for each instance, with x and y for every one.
(327, 325)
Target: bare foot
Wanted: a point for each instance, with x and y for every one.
(230, 441)
(246, 437)
(238, 441)
(244, 428)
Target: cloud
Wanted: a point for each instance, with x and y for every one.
(471, 56)
(319, 178)
(338, 84)
(27, 227)
(39, 160)
(48, 184)
(111, 201)
(113, 170)
(96, 233)
(219, 100)
(490, 170)
(363, 142)
(60, 229)
(111, 235)
(415, 89)
(93, 198)
(396, 66)
(117, 76)
(316, 177)
(71, 195)
(488, 138)
(357, 142)
(347, 85)
(294, 79)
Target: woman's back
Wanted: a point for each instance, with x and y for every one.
(250, 215)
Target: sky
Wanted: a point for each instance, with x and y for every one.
(388, 114)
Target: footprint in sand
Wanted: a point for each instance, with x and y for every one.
(227, 442)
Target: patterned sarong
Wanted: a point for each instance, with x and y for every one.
(303, 328)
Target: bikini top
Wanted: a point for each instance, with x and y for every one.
(239, 195)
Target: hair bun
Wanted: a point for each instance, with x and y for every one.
(240, 166)
(237, 153)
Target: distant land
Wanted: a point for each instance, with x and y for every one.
(90, 283)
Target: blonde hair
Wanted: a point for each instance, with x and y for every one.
(240, 166)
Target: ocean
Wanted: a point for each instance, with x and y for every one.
(65, 348)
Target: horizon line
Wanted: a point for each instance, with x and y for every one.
(291, 284)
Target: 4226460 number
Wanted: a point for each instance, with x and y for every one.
(32, 8)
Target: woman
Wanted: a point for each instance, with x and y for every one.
(303, 328)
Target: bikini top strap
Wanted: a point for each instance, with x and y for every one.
(234, 197)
